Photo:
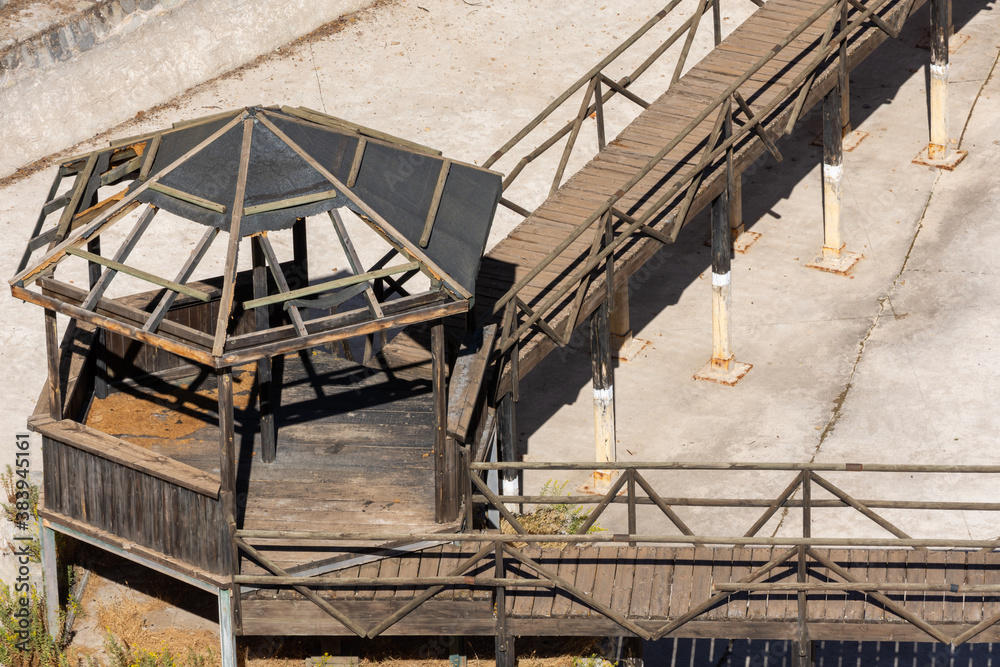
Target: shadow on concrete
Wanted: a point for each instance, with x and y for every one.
(674, 268)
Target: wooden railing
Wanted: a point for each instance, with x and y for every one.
(111, 489)
(612, 227)
(634, 489)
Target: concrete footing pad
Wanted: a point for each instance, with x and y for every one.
(840, 265)
(948, 164)
(727, 377)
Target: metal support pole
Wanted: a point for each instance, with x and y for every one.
(834, 258)
(937, 149)
(604, 387)
(507, 445)
(833, 174)
(227, 634)
(723, 360)
(50, 579)
(265, 389)
(722, 367)
(735, 193)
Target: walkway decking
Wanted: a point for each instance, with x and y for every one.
(652, 586)
(580, 195)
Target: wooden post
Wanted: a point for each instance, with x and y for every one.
(937, 149)
(803, 642)
(50, 579)
(227, 633)
(300, 254)
(506, 655)
(735, 193)
(844, 78)
(101, 360)
(265, 387)
(230, 599)
(448, 488)
(456, 652)
(631, 652)
(507, 445)
(52, 356)
(834, 258)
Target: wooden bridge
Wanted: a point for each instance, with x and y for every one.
(409, 507)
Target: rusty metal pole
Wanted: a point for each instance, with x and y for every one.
(834, 258)
(937, 149)
(723, 367)
(722, 256)
(833, 174)
(604, 392)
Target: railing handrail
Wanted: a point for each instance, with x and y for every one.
(711, 155)
(738, 466)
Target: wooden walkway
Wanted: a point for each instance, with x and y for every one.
(353, 448)
(665, 118)
(652, 586)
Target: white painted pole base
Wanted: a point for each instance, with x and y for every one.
(723, 367)
(937, 149)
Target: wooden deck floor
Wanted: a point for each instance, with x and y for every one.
(580, 195)
(353, 448)
(652, 585)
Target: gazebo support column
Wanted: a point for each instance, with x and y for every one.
(229, 600)
(447, 471)
(300, 255)
(227, 634)
(603, 379)
(50, 561)
(265, 391)
(834, 258)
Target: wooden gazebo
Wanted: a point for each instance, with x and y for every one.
(175, 503)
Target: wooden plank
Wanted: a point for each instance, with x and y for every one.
(466, 380)
(520, 600)
(642, 587)
(680, 586)
(586, 578)
(701, 577)
(125, 453)
(738, 605)
(757, 603)
(621, 594)
(388, 567)
(605, 576)
(721, 571)
(568, 567)
(916, 572)
(854, 609)
(659, 593)
(934, 601)
(874, 612)
(895, 573)
(955, 574)
(991, 576)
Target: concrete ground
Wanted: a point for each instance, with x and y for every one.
(891, 364)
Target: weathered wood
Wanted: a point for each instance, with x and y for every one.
(331, 285)
(467, 379)
(425, 236)
(131, 456)
(188, 197)
(265, 390)
(291, 202)
(446, 465)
